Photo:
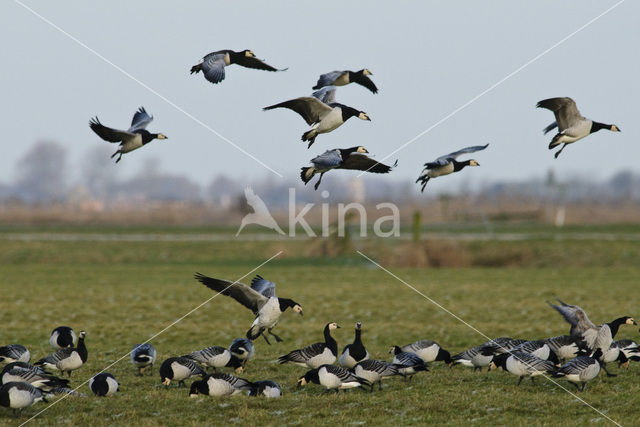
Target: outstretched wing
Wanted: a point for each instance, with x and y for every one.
(362, 162)
(328, 79)
(564, 109)
(327, 94)
(258, 64)
(213, 68)
(263, 286)
(240, 292)
(107, 133)
(140, 120)
(365, 81)
(443, 160)
(311, 109)
(328, 159)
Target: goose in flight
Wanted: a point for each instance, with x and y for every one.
(444, 165)
(260, 215)
(572, 126)
(260, 298)
(213, 64)
(341, 78)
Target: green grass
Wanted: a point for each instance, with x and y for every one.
(123, 292)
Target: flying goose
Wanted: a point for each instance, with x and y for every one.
(444, 165)
(34, 375)
(67, 359)
(580, 370)
(332, 377)
(243, 349)
(265, 388)
(408, 363)
(320, 111)
(564, 346)
(429, 351)
(522, 364)
(570, 123)
(342, 158)
(103, 385)
(219, 384)
(314, 355)
(131, 139)
(260, 298)
(179, 369)
(216, 357)
(14, 353)
(374, 371)
(354, 353)
(341, 78)
(143, 356)
(62, 337)
(19, 395)
(213, 64)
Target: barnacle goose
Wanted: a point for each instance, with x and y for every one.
(320, 111)
(314, 355)
(178, 369)
(494, 346)
(538, 348)
(564, 346)
(103, 384)
(19, 395)
(332, 377)
(630, 349)
(572, 126)
(522, 364)
(14, 353)
(213, 64)
(34, 375)
(216, 357)
(143, 356)
(444, 165)
(131, 139)
(407, 363)
(580, 370)
(354, 353)
(615, 354)
(374, 371)
(243, 349)
(219, 384)
(67, 359)
(62, 337)
(260, 298)
(341, 78)
(429, 351)
(265, 388)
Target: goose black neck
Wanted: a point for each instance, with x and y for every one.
(596, 126)
(286, 303)
(501, 360)
(358, 339)
(460, 165)
(147, 136)
(615, 325)
(234, 362)
(329, 341)
(347, 112)
(444, 356)
(82, 350)
(346, 152)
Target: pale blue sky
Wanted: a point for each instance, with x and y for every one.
(428, 58)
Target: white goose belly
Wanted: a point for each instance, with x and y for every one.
(440, 171)
(69, 363)
(20, 398)
(330, 122)
(324, 358)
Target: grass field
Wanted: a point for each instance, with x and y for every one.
(121, 293)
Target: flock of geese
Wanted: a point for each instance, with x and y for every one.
(585, 351)
(321, 111)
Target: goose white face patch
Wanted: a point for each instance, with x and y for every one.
(364, 116)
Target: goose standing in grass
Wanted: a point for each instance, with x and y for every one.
(407, 363)
(265, 388)
(538, 348)
(243, 349)
(444, 165)
(615, 354)
(314, 355)
(67, 359)
(19, 395)
(14, 353)
(429, 351)
(522, 365)
(63, 337)
(332, 377)
(34, 375)
(374, 371)
(564, 346)
(483, 358)
(216, 357)
(219, 384)
(103, 384)
(320, 111)
(353, 158)
(580, 370)
(133, 138)
(260, 298)
(630, 349)
(341, 78)
(143, 356)
(354, 353)
(213, 64)
(572, 126)
(497, 346)
(179, 369)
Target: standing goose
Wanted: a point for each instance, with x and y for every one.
(265, 388)
(63, 337)
(219, 384)
(260, 298)
(19, 395)
(580, 370)
(538, 348)
(407, 363)
(103, 384)
(131, 139)
(444, 165)
(342, 158)
(67, 359)
(570, 123)
(522, 365)
(630, 349)
(320, 111)
(314, 355)
(14, 353)
(243, 349)
(564, 346)
(34, 375)
(143, 356)
(341, 78)
(179, 369)
(374, 371)
(332, 377)
(496, 346)
(615, 354)
(354, 353)
(216, 357)
(213, 64)
(429, 351)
